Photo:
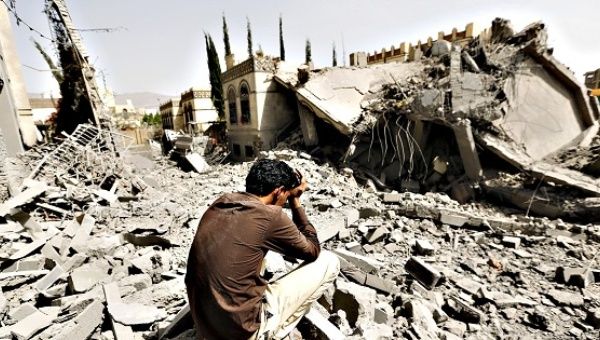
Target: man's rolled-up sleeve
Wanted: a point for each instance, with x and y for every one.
(297, 238)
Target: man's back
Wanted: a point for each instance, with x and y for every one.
(223, 274)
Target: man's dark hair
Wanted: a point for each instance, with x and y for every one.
(267, 175)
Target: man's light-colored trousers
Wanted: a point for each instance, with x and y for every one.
(289, 298)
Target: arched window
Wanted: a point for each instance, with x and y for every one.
(245, 103)
(232, 106)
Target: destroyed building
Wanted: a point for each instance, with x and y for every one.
(259, 112)
(197, 109)
(95, 240)
(171, 117)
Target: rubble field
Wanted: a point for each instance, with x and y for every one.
(102, 255)
(454, 211)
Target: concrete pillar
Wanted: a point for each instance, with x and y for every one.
(467, 149)
(14, 83)
(307, 124)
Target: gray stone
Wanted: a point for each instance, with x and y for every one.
(357, 301)
(511, 241)
(377, 235)
(580, 277)
(84, 278)
(424, 247)
(135, 314)
(30, 325)
(423, 272)
(563, 298)
(462, 311)
(21, 312)
(392, 198)
(421, 315)
(84, 324)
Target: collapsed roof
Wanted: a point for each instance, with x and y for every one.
(457, 113)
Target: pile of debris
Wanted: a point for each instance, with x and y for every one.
(460, 121)
(95, 248)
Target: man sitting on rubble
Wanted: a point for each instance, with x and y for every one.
(229, 299)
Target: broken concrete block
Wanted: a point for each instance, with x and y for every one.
(580, 277)
(135, 314)
(377, 235)
(363, 262)
(355, 300)
(421, 316)
(28, 249)
(30, 325)
(423, 272)
(49, 279)
(34, 189)
(327, 328)
(462, 311)
(424, 247)
(21, 312)
(511, 241)
(137, 281)
(392, 197)
(563, 298)
(453, 219)
(351, 215)
(113, 296)
(84, 278)
(383, 313)
(78, 243)
(85, 323)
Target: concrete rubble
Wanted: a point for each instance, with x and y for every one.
(95, 247)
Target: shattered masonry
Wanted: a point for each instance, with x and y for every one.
(449, 221)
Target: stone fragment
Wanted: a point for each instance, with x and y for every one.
(421, 316)
(328, 330)
(424, 247)
(580, 277)
(21, 312)
(364, 263)
(356, 301)
(423, 272)
(30, 325)
(377, 235)
(563, 298)
(135, 314)
(384, 313)
(351, 215)
(84, 324)
(511, 241)
(453, 219)
(113, 296)
(392, 198)
(461, 310)
(49, 279)
(84, 278)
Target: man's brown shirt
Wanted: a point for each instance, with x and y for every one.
(223, 279)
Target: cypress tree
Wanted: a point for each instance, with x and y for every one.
(334, 57)
(307, 52)
(250, 51)
(214, 71)
(226, 37)
(281, 46)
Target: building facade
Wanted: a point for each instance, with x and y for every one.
(405, 52)
(257, 109)
(197, 110)
(171, 117)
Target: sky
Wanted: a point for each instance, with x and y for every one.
(159, 46)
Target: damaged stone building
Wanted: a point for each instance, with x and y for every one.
(258, 111)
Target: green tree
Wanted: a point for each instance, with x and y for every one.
(334, 57)
(249, 29)
(214, 71)
(307, 52)
(226, 37)
(281, 45)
